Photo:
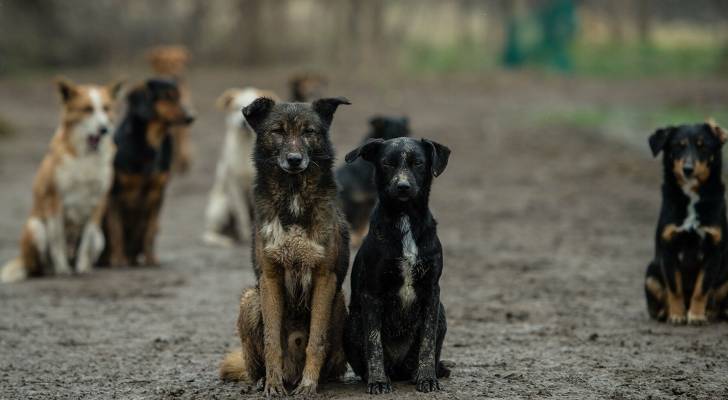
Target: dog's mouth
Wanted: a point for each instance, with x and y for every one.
(93, 142)
(292, 170)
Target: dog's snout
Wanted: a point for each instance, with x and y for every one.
(403, 186)
(189, 118)
(688, 168)
(103, 130)
(294, 159)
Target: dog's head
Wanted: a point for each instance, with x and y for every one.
(234, 100)
(168, 60)
(88, 111)
(385, 127)
(404, 166)
(690, 151)
(292, 135)
(158, 100)
(305, 87)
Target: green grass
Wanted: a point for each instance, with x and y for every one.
(461, 56)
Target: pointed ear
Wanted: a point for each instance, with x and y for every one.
(66, 88)
(225, 100)
(659, 139)
(439, 156)
(717, 130)
(139, 102)
(365, 151)
(325, 108)
(115, 87)
(256, 112)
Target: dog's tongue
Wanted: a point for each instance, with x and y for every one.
(93, 141)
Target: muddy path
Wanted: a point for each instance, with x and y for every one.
(547, 231)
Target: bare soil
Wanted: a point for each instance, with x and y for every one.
(547, 231)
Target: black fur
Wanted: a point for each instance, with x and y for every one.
(385, 338)
(689, 250)
(357, 191)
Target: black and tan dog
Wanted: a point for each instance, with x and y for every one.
(396, 321)
(688, 279)
(291, 324)
(141, 171)
(356, 179)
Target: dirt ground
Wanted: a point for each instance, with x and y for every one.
(546, 231)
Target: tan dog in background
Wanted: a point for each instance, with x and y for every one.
(230, 209)
(70, 187)
(171, 62)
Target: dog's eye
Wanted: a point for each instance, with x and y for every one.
(388, 163)
(107, 109)
(417, 162)
(88, 109)
(309, 131)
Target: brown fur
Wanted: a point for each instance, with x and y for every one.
(676, 301)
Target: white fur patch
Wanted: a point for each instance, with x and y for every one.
(408, 262)
(40, 237)
(691, 219)
(296, 205)
(290, 245)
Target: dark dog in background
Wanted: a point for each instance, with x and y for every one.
(688, 279)
(306, 87)
(141, 171)
(396, 322)
(357, 191)
(291, 325)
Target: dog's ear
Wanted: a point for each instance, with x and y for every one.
(66, 88)
(659, 139)
(115, 87)
(326, 108)
(716, 130)
(365, 151)
(257, 111)
(225, 100)
(139, 102)
(377, 123)
(439, 156)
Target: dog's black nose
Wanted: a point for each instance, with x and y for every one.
(189, 119)
(688, 170)
(403, 186)
(294, 159)
(103, 130)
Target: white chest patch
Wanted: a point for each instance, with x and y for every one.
(290, 245)
(408, 261)
(296, 205)
(691, 219)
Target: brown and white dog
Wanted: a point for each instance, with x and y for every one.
(170, 62)
(70, 187)
(230, 208)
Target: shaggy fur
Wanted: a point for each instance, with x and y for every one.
(141, 171)
(688, 279)
(70, 188)
(291, 323)
(397, 323)
(356, 179)
(230, 209)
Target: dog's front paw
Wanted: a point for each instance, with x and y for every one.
(676, 319)
(63, 269)
(696, 319)
(307, 387)
(379, 386)
(274, 388)
(427, 385)
(83, 266)
(119, 262)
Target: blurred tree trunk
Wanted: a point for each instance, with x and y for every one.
(248, 33)
(644, 21)
(193, 32)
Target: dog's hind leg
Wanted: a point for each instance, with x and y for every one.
(442, 371)
(246, 364)
(217, 214)
(33, 253)
(335, 366)
(655, 292)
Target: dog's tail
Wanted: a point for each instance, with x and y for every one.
(232, 367)
(13, 271)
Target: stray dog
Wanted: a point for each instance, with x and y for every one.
(141, 171)
(230, 209)
(356, 180)
(689, 271)
(396, 321)
(306, 86)
(291, 325)
(170, 62)
(70, 187)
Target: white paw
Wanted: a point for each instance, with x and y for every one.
(13, 271)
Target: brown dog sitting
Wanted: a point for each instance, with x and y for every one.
(291, 324)
(141, 171)
(170, 62)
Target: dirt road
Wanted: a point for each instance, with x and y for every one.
(546, 230)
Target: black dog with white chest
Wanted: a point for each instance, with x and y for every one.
(687, 281)
(396, 322)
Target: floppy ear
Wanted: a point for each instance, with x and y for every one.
(659, 139)
(325, 108)
(717, 130)
(224, 101)
(365, 151)
(439, 156)
(66, 88)
(257, 111)
(139, 102)
(115, 87)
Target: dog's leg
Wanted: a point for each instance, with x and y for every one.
(699, 300)
(322, 299)
(377, 380)
(271, 293)
(336, 358)
(155, 198)
(92, 241)
(655, 292)
(426, 375)
(239, 207)
(57, 243)
(354, 343)
(116, 240)
(675, 296)
(217, 213)
(246, 364)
